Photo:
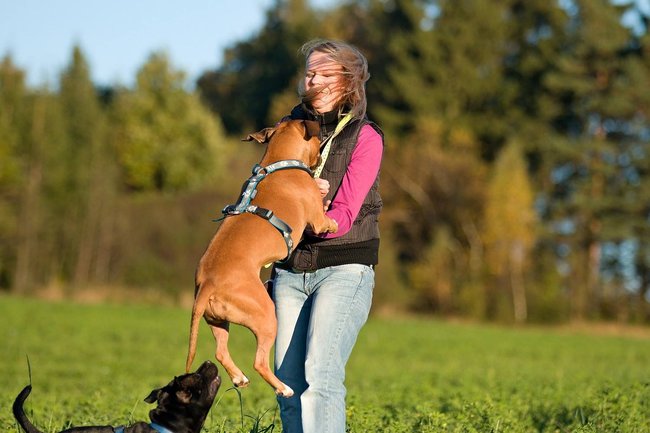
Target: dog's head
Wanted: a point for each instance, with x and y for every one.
(185, 402)
(291, 139)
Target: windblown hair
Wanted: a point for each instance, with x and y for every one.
(354, 75)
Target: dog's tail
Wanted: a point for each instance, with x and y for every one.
(19, 412)
(200, 304)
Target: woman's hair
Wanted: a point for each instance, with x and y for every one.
(354, 75)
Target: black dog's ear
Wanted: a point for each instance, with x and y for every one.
(153, 396)
(184, 396)
(312, 129)
(262, 136)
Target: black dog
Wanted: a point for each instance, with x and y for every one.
(182, 406)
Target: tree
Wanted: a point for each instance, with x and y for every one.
(255, 71)
(593, 91)
(13, 119)
(166, 139)
(89, 181)
(509, 226)
(433, 186)
(433, 275)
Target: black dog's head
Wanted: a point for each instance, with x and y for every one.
(185, 402)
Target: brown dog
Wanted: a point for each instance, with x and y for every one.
(228, 284)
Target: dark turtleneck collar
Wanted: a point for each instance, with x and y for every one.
(327, 121)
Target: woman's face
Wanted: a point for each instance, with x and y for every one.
(323, 82)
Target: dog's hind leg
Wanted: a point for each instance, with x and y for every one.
(264, 327)
(221, 331)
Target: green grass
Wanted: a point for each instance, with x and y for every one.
(93, 364)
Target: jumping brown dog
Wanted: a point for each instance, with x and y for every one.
(228, 284)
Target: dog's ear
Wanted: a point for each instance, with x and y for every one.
(317, 163)
(312, 129)
(184, 396)
(153, 396)
(262, 136)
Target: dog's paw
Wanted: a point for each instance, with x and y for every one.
(240, 382)
(334, 226)
(286, 392)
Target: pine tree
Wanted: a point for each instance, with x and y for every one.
(257, 70)
(593, 92)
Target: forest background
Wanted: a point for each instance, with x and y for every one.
(515, 174)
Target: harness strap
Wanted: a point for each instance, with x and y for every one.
(153, 425)
(276, 222)
(250, 190)
(259, 173)
(159, 428)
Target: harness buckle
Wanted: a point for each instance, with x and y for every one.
(267, 214)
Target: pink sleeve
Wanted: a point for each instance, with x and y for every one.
(357, 181)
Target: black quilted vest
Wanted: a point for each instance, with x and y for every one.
(361, 243)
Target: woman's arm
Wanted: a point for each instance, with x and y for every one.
(357, 181)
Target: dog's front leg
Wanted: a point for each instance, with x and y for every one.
(324, 225)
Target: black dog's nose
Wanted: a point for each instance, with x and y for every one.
(208, 368)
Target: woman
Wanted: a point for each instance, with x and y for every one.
(324, 291)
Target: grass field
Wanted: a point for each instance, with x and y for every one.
(93, 364)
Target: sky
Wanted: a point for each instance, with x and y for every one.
(117, 36)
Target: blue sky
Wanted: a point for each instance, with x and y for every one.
(117, 36)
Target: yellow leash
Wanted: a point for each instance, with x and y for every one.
(326, 150)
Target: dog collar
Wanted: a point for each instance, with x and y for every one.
(159, 428)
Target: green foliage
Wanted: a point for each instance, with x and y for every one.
(391, 293)
(509, 214)
(433, 275)
(117, 186)
(257, 70)
(95, 364)
(13, 113)
(510, 226)
(166, 139)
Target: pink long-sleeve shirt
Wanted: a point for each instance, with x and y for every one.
(357, 181)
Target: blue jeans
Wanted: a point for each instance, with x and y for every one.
(320, 315)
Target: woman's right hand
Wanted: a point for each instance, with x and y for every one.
(323, 186)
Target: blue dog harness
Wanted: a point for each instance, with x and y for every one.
(153, 425)
(159, 428)
(244, 205)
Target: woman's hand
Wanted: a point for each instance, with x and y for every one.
(323, 186)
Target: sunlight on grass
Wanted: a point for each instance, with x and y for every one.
(94, 364)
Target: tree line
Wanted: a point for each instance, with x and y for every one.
(515, 173)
